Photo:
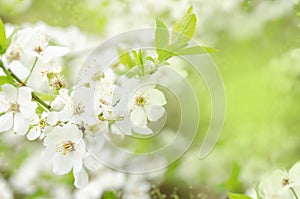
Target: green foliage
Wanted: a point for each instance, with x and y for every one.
(238, 196)
(183, 30)
(2, 38)
(140, 60)
(126, 59)
(233, 183)
(109, 195)
(161, 36)
(5, 80)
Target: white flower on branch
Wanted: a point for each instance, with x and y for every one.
(17, 109)
(281, 184)
(144, 104)
(65, 147)
(26, 47)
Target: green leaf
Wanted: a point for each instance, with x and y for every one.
(2, 38)
(126, 59)
(140, 59)
(183, 30)
(196, 50)
(233, 183)
(238, 196)
(161, 35)
(45, 96)
(109, 195)
(5, 80)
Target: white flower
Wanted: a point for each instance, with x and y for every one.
(17, 109)
(66, 148)
(144, 105)
(281, 184)
(26, 46)
(37, 126)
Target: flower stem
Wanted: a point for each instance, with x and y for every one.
(294, 193)
(32, 68)
(13, 77)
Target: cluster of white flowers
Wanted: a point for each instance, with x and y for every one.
(63, 121)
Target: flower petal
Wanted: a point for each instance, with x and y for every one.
(10, 91)
(4, 104)
(52, 118)
(155, 113)
(138, 117)
(28, 110)
(53, 51)
(294, 173)
(19, 69)
(145, 130)
(62, 164)
(155, 97)
(81, 178)
(24, 95)
(6, 121)
(21, 125)
(34, 133)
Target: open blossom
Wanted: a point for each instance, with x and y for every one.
(144, 104)
(66, 149)
(17, 109)
(26, 46)
(280, 183)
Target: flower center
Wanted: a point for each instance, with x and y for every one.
(65, 147)
(14, 107)
(42, 123)
(13, 55)
(140, 101)
(285, 182)
(38, 49)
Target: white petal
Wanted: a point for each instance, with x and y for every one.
(10, 91)
(155, 97)
(145, 130)
(19, 70)
(34, 133)
(65, 115)
(62, 164)
(52, 118)
(24, 95)
(81, 178)
(28, 110)
(21, 125)
(6, 121)
(4, 104)
(155, 113)
(294, 173)
(138, 117)
(125, 125)
(53, 51)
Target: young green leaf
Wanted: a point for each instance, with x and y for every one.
(109, 195)
(126, 59)
(183, 30)
(2, 38)
(238, 196)
(161, 35)
(140, 58)
(5, 80)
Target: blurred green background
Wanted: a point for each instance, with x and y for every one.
(257, 59)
